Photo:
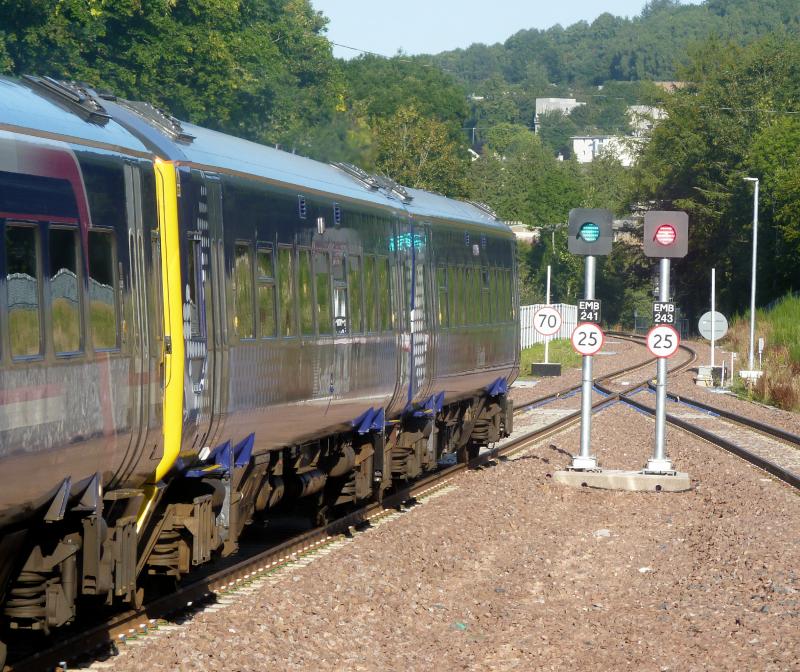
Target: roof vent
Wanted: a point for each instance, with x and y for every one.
(485, 209)
(376, 182)
(159, 119)
(360, 175)
(78, 98)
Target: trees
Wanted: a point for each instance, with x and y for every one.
(418, 151)
(730, 123)
(260, 69)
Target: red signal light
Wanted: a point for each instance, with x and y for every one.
(665, 235)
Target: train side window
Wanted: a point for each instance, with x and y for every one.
(103, 290)
(441, 281)
(354, 283)
(370, 294)
(286, 291)
(266, 292)
(243, 322)
(305, 293)
(384, 294)
(508, 296)
(485, 293)
(340, 306)
(22, 285)
(469, 317)
(452, 296)
(64, 297)
(322, 282)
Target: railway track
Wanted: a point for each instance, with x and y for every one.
(104, 639)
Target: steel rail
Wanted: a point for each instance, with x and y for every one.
(137, 622)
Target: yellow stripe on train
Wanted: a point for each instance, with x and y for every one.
(173, 355)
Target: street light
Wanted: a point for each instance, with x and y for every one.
(753, 280)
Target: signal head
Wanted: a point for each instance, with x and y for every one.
(590, 232)
(666, 234)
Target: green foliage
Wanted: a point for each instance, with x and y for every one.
(259, 69)
(418, 151)
(727, 125)
(649, 46)
(560, 352)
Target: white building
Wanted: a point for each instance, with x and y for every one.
(562, 105)
(643, 119)
(523, 233)
(586, 148)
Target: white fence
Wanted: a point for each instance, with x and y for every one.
(569, 320)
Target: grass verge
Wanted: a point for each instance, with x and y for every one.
(780, 327)
(560, 352)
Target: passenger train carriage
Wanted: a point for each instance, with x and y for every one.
(196, 330)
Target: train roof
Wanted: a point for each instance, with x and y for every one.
(66, 111)
(211, 148)
(25, 106)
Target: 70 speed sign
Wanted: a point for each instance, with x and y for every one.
(547, 321)
(663, 340)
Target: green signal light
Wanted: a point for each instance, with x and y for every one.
(589, 231)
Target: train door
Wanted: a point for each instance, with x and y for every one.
(137, 314)
(417, 278)
(198, 332)
(219, 323)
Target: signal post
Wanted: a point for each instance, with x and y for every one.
(666, 237)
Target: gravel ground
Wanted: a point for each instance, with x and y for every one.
(511, 571)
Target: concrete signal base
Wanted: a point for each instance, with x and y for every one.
(615, 479)
(543, 370)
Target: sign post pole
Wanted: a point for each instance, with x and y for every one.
(547, 338)
(585, 460)
(659, 463)
(713, 308)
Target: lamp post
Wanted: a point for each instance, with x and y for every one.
(753, 279)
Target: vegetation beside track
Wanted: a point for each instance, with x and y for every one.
(780, 384)
(560, 352)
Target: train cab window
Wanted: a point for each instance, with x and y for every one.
(102, 290)
(286, 291)
(22, 285)
(340, 304)
(370, 294)
(266, 293)
(441, 281)
(243, 322)
(322, 282)
(64, 297)
(354, 283)
(305, 293)
(385, 294)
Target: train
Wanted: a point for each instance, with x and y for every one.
(198, 332)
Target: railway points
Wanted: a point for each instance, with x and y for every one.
(534, 576)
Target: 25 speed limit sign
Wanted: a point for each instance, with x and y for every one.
(663, 340)
(547, 321)
(587, 338)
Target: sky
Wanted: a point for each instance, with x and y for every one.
(431, 26)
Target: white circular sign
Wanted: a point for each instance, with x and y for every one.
(587, 338)
(663, 340)
(547, 321)
(720, 325)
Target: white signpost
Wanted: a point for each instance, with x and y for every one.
(587, 339)
(663, 340)
(547, 321)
